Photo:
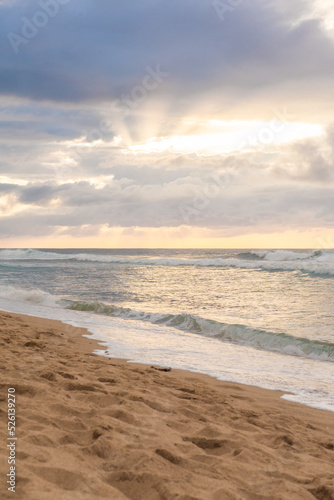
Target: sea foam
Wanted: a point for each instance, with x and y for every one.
(318, 262)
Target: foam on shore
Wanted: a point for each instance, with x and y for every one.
(96, 427)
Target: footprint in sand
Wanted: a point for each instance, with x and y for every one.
(62, 478)
(40, 440)
(167, 455)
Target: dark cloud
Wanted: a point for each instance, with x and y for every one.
(36, 122)
(247, 212)
(310, 161)
(7, 188)
(99, 51)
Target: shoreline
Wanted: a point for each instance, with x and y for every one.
(82, 332)
(91, 426)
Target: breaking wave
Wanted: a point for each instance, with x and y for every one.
(287, 255)
(237, 334)
(316, 262)
(31, 295)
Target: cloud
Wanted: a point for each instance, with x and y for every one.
(310, 161)
(7, 188)
(101, 52)
(62, 164)
(238, 194)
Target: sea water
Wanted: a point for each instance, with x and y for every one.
(263, 318)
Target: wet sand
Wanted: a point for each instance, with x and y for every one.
(90, 427)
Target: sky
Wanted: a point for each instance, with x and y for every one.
(166, 123)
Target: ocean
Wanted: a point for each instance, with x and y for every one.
(257, 317)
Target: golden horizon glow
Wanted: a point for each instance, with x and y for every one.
(178, 238)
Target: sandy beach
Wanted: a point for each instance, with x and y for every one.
(91, 427)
